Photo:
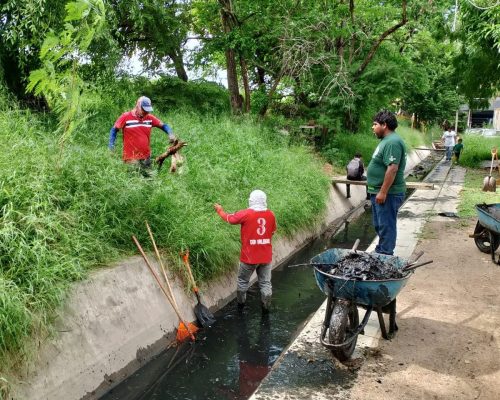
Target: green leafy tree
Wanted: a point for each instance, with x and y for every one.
(477, 67)
(429, 91)
(23, 27)
(62, 55)
(156, 30)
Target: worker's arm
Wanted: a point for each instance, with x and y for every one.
(235, 218)
(390, 175)
(164, 127)
(119, 124)
(112, 137)
(169, 132)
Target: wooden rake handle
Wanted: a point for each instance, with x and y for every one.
(157, 278)
(161, 264)
(185, 259)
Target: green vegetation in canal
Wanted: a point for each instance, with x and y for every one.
(65, 212)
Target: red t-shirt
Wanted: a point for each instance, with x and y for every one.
(136, 134)
(257, 229)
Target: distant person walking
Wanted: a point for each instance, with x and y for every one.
(457, 149)
(448, 139)
(136, 125)
(258, 225)
(385, 180)
(355, 169)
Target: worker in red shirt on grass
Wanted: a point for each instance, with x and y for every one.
(136, 126)
(258, 225)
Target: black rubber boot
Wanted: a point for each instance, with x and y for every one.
(266, 304)
(241, 298)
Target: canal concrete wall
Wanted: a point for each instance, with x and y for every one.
(118, 319)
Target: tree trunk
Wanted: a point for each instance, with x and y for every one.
(270, 95)
(352, 44)
(232, 82)
(232, 75)
(176, 57)
(260, 73)
(246, 84)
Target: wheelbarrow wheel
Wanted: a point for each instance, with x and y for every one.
(343, 324)
(483, 241)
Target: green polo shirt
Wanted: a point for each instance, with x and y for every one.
(391, 150)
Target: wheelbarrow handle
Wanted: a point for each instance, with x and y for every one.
(415, 259)
(415, 266)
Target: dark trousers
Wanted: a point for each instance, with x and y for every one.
(384, 217)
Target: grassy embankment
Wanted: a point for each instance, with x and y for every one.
(476, 150)
(342, 146)
(62, 214)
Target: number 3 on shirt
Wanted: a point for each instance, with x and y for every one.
(262, 226)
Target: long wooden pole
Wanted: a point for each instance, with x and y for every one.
(161, 286)
(161, 264)
(185, 258)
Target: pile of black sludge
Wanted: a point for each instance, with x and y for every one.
(364, 267)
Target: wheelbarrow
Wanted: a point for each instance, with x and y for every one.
(487, 231)
(345, 295)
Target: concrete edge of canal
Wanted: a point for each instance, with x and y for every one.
(118, 319)
(305, 368)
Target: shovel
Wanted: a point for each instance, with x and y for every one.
(203, 314)
(490, 183)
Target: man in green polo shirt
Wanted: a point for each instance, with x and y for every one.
(385, 180)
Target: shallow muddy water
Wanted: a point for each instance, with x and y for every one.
(229, 360)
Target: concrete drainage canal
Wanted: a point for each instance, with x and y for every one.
(229, 360)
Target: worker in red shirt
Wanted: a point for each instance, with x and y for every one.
(136, 125)
(258, 225)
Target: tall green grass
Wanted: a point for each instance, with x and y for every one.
(342, 146)
(477, 149)
(62, 214)
(473, 194)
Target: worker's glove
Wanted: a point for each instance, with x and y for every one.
(172, 138)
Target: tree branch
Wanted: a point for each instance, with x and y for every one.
(377, 44)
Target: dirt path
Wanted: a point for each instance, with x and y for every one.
(447, 346)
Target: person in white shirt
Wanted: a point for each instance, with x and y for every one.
(448, 139)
